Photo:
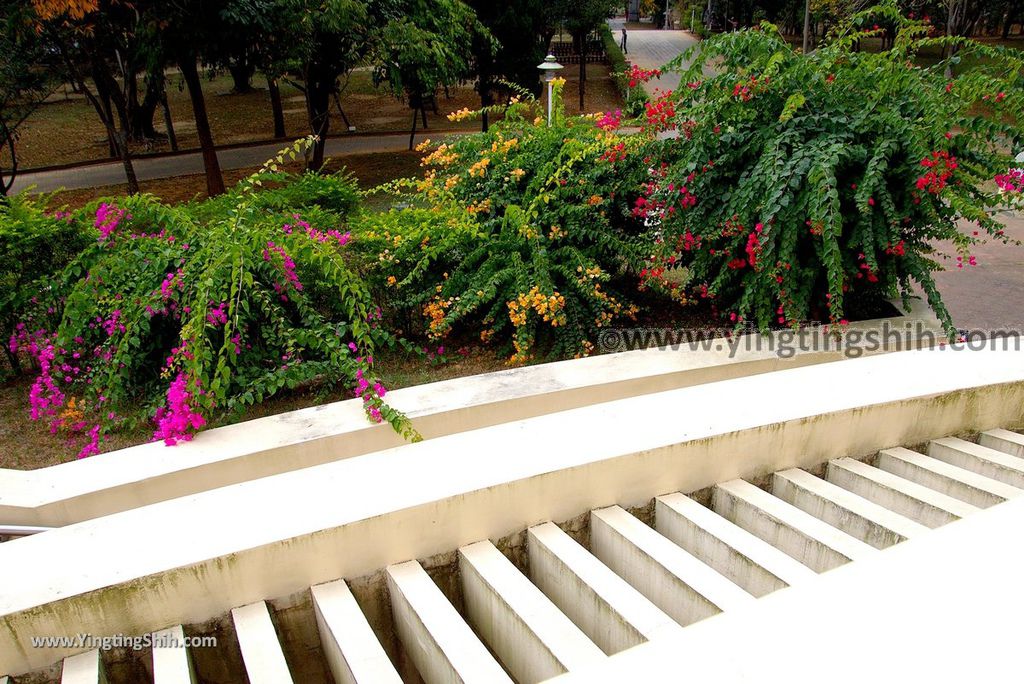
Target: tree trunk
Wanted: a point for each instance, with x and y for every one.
(319, 86)
(102, 110)
(189, 71)
(583, 71)
(142, 117)
(105, 111)
(1012, 9)
(8, 141)
(169, 122)
(111, 92)
(241, 74)
(106, 104)
(412, 135)
(275, 106)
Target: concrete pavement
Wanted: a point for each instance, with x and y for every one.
(652, 49)
(989, 296)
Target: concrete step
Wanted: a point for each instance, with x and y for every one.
(172, 664)
(927, 506)
(843, 509)
(1004, 440)
(969, 487)
(611, 612)
(532, 638)
(435, 637)
(814, 543)
(753, 564)
(261, 648)
(84, 668)
(353, 653)
(672, 579)
(991, 463)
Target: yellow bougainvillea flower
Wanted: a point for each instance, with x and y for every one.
(461, 115)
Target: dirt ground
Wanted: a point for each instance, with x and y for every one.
(26, 444)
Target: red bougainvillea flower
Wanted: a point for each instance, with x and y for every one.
(941, 166)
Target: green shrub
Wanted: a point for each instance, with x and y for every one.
(520, 235)
(803, 183)
(201, 310)
(34, 246)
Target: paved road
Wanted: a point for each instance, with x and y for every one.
(112, 173)
(651, 49)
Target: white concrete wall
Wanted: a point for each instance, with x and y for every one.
(203, 554)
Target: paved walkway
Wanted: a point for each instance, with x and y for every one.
(989, 296)
(153, 168)
(652, 49)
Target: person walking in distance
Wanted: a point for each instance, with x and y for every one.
(625, 50)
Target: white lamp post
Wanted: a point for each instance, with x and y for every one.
(547, 70)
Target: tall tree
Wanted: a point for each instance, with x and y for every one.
(186, 30)
(259, 30)
(424, 46)
(580, 18)
(518, 27)
(24, 83)
(76, 32)
(408, 42)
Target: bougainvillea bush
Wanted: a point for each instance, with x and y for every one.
(521, 235)
(801, 185)
(196, 311)
(34, 245)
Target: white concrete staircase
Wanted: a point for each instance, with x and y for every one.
(566, 605)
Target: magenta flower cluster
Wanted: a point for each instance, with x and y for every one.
(610, 121)
(218, 314)
(108, 218)
(286, 261)
(1011, 181)
(314, 234)
(371, 393)
(178, 420)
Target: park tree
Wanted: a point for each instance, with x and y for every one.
(256, 33)
(411, 44)
(184, 30)
(24, 83)
(79, 34)
(580, 18)
(518, 46)
(425, 45)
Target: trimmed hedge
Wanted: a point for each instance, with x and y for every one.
(635, 98)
